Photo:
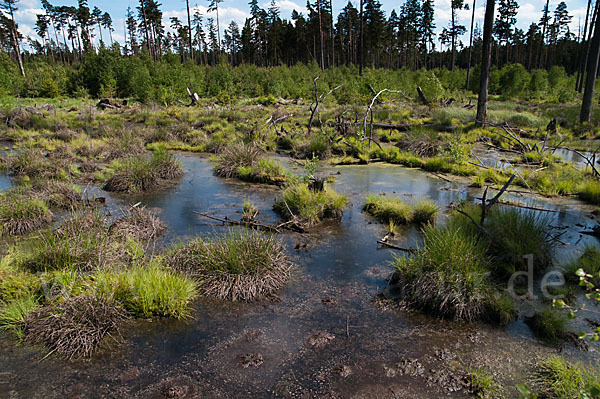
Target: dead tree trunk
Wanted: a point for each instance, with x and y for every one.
(591, 70)
(486, 60)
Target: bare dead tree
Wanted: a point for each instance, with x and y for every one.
(318, 99)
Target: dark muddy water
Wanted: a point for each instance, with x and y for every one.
(374, 350)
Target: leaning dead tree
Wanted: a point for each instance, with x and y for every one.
(369, 111)
(318, 99)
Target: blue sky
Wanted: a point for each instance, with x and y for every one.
(237, 10)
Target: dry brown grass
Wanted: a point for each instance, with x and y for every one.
(75, 327)
(138, 222)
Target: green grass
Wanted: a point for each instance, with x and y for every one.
(14, 313)
(555, 377)
(387, 209)
(245, 162)
(448, 276)
(482, 384)
(148, 290)
(424, 211)
(515, 234)
(239, 266)
(589, 191)
(309, 205)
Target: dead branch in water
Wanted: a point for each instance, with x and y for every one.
(291, 225)
(387, 244)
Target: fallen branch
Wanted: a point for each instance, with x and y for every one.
(386, 244)
(243, 223)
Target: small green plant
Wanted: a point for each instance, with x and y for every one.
(310, 206)
(481, 384)
(387, 208)
(20, 214)
(141, 173)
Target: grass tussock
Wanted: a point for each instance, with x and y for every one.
(82, 243)
(448, 277)
(148, 290)
(513, 234)
(482, 384)
(310, 206)
(589, 191)
(517, 233)
(20, 214)
(139, 223)
(75, 327)
(141, 173)
(557, 378)
(549, 324)
(236, 156)
(240, 266)
(57, 194)
(388, 209)
(244, 161)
